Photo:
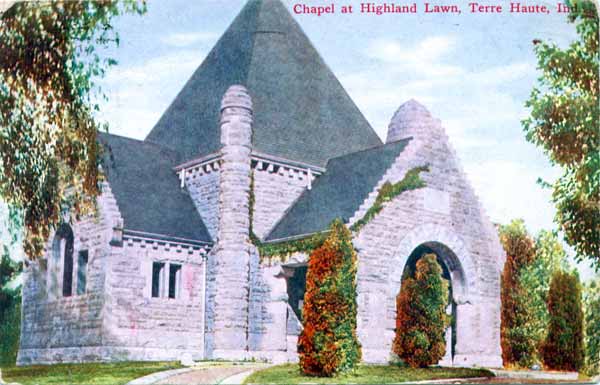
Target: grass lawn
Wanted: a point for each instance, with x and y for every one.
(363, 374)
(93, 374)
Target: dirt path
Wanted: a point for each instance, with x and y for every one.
(208, 375)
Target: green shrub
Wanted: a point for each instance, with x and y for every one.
(592, 327)
(517, 331)
(421, 319)
(328, 344)
(563, 347)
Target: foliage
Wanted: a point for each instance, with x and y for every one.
(48, 148)
(517, 332)
(389, 191)
(564, 123)
(591, 300)
(284, 249)
(79, 374)
(10, 328)
(328, 344)
(281, 250)
(363, 374)
(421, 319)
(535, 281)
(563, 348)
(11, 268)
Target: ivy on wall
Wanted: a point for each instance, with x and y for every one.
(282, 250)
(411, 181)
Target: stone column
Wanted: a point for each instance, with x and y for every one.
(231, 264)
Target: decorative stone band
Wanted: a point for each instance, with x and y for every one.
(156, 241)
(262, 162)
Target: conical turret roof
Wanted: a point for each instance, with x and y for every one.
(301, 111)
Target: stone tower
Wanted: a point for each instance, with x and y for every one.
(230, 268)
(412, 119)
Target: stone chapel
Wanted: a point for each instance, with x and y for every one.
(263, 138)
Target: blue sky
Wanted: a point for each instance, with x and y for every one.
(473, 71)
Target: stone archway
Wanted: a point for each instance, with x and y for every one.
(458, 268)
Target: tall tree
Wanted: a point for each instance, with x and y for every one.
(564, 123)
(421, 319)
(563, 348)
(328, 343)
(535, 278)
(591, 300)
(518, 346)
(48, 149)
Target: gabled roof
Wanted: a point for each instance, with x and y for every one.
(147, 191)
(301, 111)
(339, 192)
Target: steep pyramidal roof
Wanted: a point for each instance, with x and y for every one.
(301, 111)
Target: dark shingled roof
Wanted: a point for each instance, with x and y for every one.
(147, 190)
(339, 192)
(301, 111)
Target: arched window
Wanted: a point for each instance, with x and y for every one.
(61, 269)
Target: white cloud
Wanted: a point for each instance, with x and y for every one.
(184, 39)
(424, 57)
(508, 190)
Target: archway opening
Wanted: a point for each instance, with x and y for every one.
(296, 287)
(453, 273)
(62, 260)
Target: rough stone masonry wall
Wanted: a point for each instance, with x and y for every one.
(229, 294)
(140, 327)
(268, 312)
(202, 183)
(446, 211)
(69, 329)
(275, 189)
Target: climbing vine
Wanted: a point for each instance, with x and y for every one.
(411, 181)
(282, 250)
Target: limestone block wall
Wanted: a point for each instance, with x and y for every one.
(268, 311)
(276, 187)
(229, 294)
(55, 328)
(446, 212)
(202, 183)
(139, 326)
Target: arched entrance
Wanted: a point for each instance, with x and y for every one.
(458, 267)
(451, 271)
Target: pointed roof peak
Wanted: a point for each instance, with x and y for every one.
(301, 111)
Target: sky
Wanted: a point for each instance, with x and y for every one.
(472, 71)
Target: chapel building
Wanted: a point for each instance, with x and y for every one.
(262, 146)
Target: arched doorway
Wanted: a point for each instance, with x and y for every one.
(453, 273)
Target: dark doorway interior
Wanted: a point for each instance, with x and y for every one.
(296, 287)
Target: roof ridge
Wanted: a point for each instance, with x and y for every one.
(407, 139)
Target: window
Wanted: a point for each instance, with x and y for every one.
(174, 280)
(166, 280)
(158, 278)
(82, 263)
(61, 261)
